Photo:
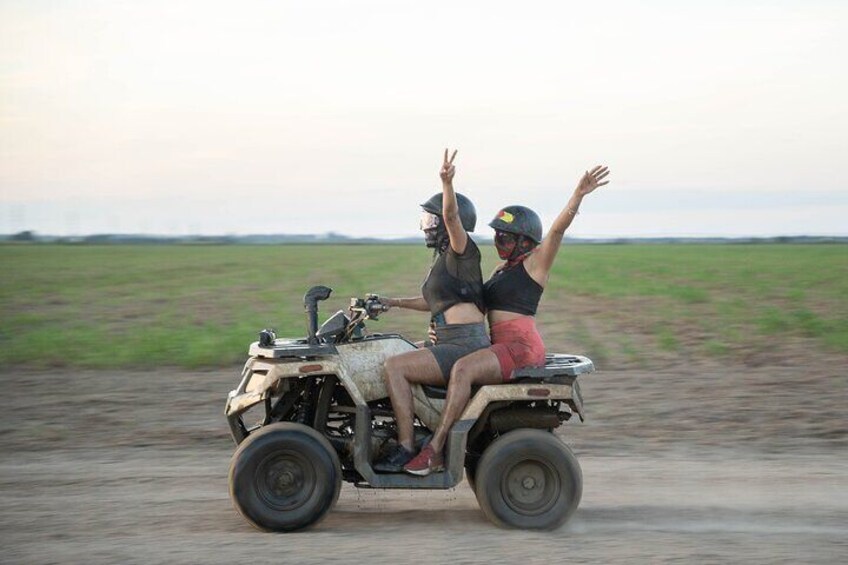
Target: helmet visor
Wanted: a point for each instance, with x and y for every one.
(429, 221)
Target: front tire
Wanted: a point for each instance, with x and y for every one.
(528, 479)
(284, 477)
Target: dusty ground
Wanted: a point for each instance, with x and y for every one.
(688, 464)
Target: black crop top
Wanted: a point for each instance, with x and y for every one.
(513, 290)
(454, 279)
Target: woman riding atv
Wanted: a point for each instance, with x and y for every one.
(512, 295)
(453, 294)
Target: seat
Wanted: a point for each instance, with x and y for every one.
(431, 391)
(560, 368)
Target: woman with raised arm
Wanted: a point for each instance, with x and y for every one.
(512, 295)
(453, 294)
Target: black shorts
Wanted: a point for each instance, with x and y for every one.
(454, 341)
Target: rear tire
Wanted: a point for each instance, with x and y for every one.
(471, 474)
(284, 477)
(528, 479)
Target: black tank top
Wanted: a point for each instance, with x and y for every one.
(513, 290)
(454, 279)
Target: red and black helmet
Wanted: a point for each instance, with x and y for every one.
(519, 220)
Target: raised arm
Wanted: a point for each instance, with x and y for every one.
(539, 263)
(450, 208)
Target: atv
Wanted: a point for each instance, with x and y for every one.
(311, 413)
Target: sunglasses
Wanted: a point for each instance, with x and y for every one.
(429, 221)
(505, 238)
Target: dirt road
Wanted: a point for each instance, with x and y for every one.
(688, 464)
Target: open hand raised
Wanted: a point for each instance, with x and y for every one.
(592, 180)
(448, 169)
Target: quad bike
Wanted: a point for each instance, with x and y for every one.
(310, 413)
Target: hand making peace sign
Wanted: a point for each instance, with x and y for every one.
(448, 169)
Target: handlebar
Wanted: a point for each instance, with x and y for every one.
(370, 305)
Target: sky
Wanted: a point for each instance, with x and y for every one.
(200, 117)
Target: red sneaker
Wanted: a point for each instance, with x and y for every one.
(427, 461)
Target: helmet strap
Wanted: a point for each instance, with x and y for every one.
(438, 239)
(524, 246)
(444, 243)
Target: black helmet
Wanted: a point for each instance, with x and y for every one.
(519, 220)
(467, 212)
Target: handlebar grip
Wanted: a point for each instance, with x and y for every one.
(373, 306)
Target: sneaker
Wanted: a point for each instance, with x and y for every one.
(394, 459)
(426, 462)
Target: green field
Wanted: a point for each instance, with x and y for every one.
(200, 306)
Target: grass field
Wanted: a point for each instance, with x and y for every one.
(198, 306)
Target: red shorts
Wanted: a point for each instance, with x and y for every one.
(517, 344)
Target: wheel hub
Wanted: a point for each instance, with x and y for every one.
(285, 480)
(530, 487)
(284, 477)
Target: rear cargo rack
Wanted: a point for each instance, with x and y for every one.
(557, 365)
